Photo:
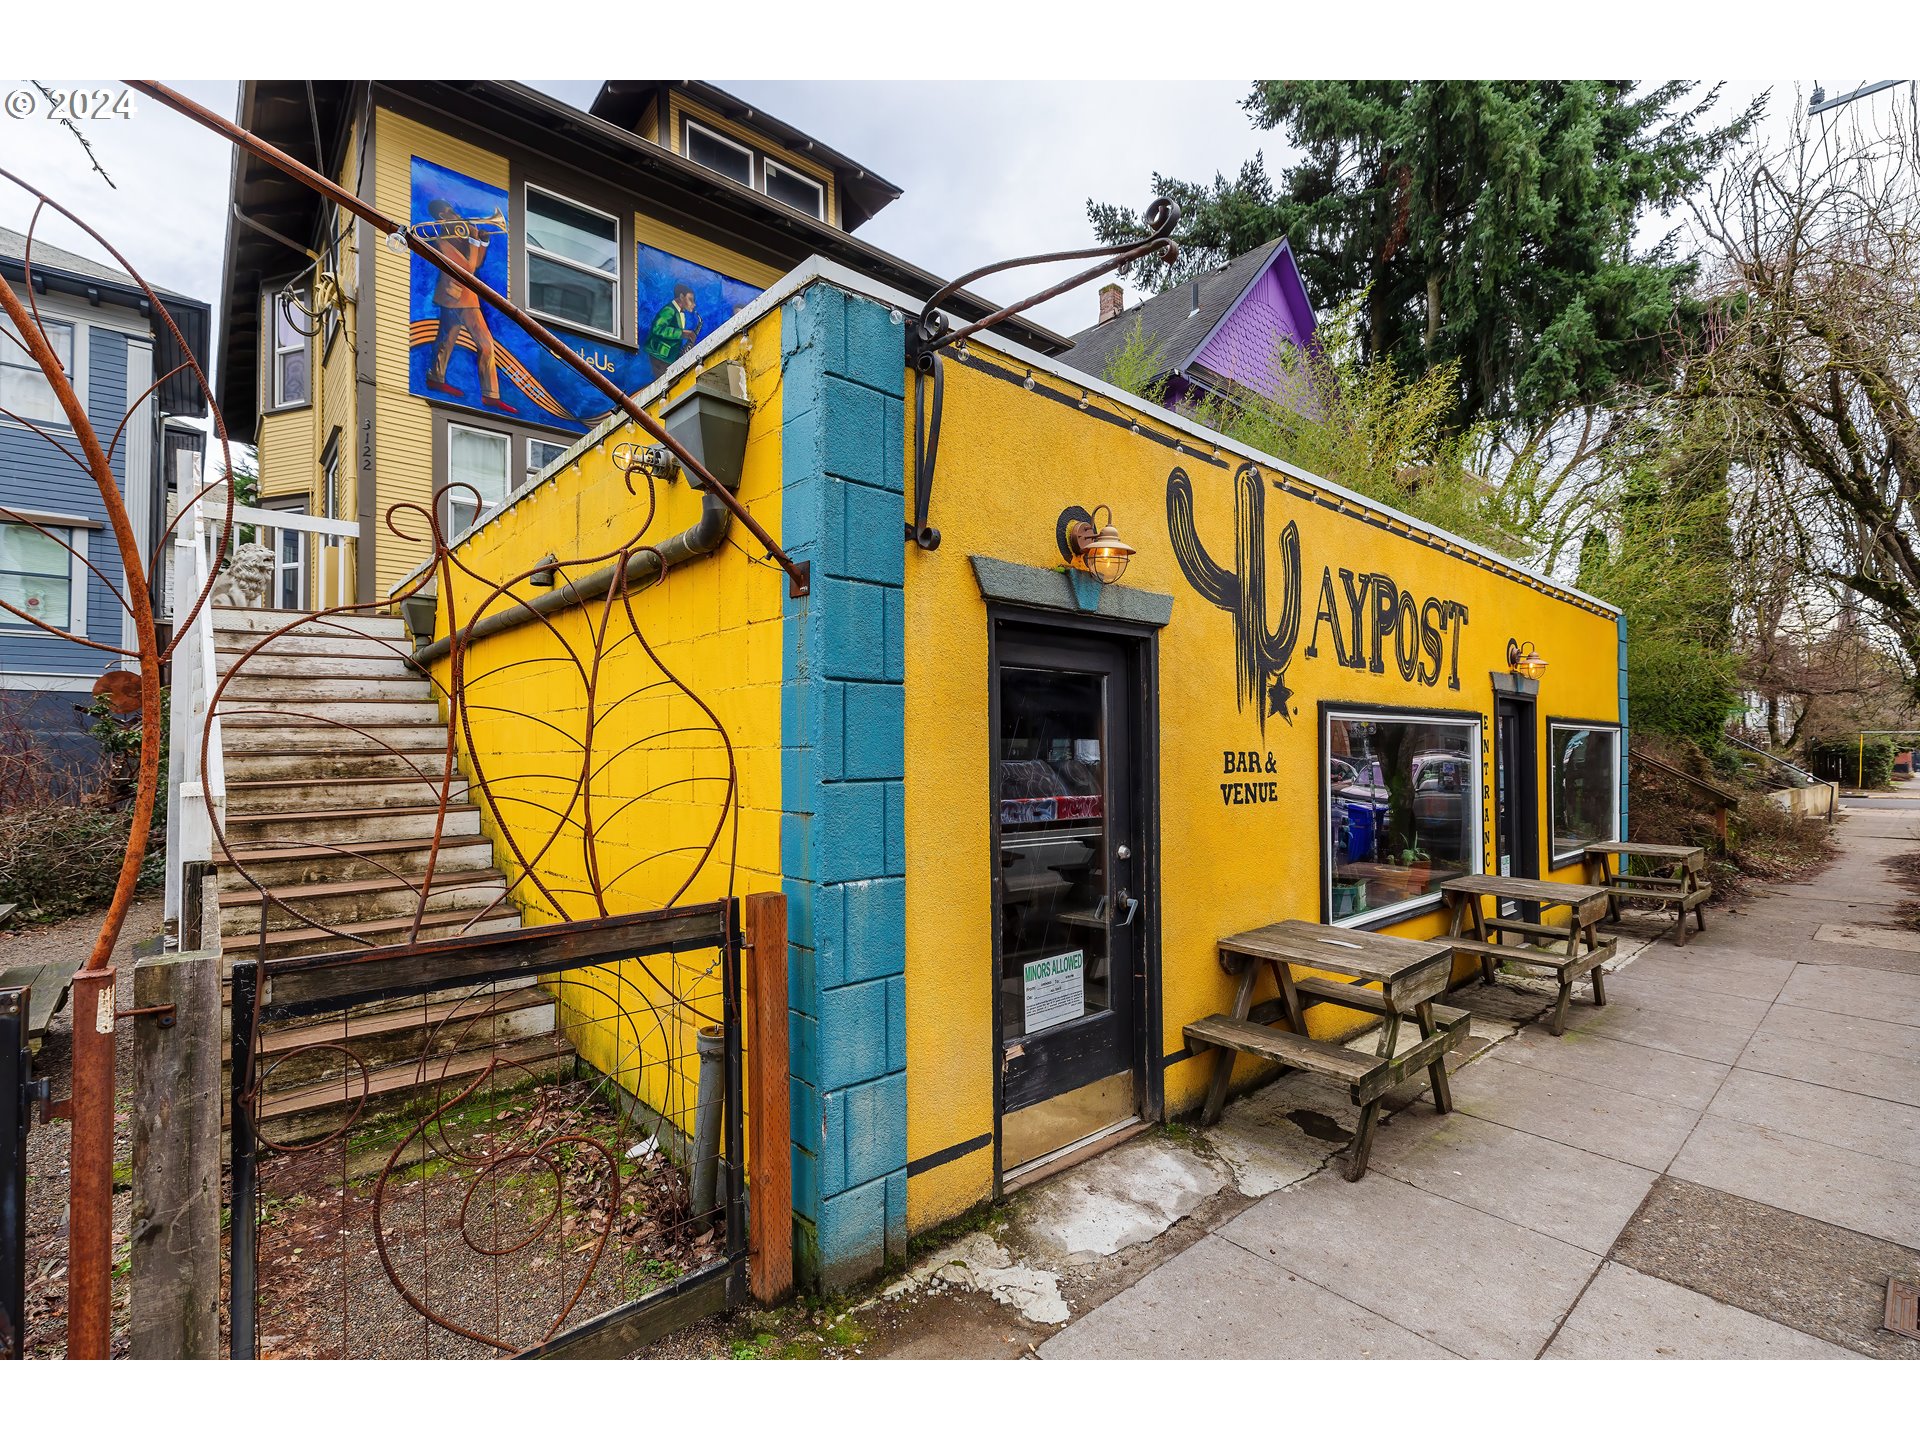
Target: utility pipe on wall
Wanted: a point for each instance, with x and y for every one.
(643, 567)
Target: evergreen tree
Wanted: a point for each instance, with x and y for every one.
(1490, 224)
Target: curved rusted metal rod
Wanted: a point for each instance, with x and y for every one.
(1162, 215)
(90, 1109)
(930, 333)
(797, 570)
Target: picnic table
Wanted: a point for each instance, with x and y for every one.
(1680, 880)
(48, 982)
(1582, 952)
(1409, 973)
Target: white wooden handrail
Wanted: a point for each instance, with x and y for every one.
(190, 716)
(329, 535)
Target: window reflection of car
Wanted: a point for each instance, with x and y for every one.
(1440, 781)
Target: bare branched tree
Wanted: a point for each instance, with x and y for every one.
(1813, 372)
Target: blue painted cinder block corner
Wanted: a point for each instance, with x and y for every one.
(842, 838)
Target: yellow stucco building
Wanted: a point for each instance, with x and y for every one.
(1013, 808)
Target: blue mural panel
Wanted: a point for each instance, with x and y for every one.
(681, 303)
(464, 352)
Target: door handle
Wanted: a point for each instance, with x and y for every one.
(1132, 907)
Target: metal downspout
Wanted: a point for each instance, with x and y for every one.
(644, 567)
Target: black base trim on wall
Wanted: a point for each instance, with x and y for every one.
(952, 1152)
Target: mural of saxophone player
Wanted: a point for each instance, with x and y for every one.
(674, 328)
(465, 243)
(1262, 653)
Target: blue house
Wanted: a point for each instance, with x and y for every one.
(114, 347)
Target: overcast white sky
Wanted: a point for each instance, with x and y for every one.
(981, 182)
(989, 169)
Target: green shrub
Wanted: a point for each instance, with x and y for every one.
(1843, 760)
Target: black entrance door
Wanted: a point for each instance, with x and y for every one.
(1068, 886)
(1516, 788)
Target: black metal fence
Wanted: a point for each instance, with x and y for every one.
(510, 1144)
(16, 1114)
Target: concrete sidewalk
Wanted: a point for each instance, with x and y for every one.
(1722, 1163)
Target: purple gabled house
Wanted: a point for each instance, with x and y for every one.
(1212, 334)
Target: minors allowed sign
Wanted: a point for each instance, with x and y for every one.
(1056, 990)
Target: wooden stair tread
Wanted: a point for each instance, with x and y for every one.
(1283, 1046)
(346, 812)
(442, 879)
(282, 781)
(414, 1074)
(279, 1039)
(357, 930)
(266, 854)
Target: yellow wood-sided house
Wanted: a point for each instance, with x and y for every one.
(631, 229)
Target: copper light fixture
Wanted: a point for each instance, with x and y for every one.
(1097, 548)
(1525, 660)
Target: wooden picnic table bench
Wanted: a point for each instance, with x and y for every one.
(48, 982)
(1682, 882)
(1583, 952)
(1409, 973)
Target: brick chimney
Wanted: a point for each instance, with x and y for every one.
(1112, 301)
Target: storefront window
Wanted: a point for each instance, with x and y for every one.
(1586, 787)
(1402, 811)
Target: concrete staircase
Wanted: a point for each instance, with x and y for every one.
(334, 753)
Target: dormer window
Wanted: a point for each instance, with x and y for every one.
(720, 154)
(756, 171)
(802, 192)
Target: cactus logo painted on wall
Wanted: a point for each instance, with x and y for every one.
(461, 351)
(1379, 622)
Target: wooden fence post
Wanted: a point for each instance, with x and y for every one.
(174, 1281)
(770, 1192)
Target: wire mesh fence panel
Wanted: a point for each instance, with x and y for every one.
(482, 1146)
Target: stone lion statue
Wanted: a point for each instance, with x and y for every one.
(247, 582)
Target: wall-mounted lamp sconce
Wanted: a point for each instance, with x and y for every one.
(1525, 660)
(1090, 546)
(543, 577)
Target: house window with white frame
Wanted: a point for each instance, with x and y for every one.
(716, 152)
(790, 187)
(541, 454)
(1402, 810)
(755, 170)
(573, 264)
(43, 577)
(290, 364)
(25, 391)
(330, 498)
(477, 474)
(1584, 778)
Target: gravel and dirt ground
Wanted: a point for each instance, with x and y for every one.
(47, 1144)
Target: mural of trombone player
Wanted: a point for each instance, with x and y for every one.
(464, 241)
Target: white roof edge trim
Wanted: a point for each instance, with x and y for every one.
(817, 268)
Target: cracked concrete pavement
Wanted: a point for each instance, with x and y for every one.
(1718, 1164)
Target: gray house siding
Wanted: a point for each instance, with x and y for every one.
(36, 476)
(44, 677)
